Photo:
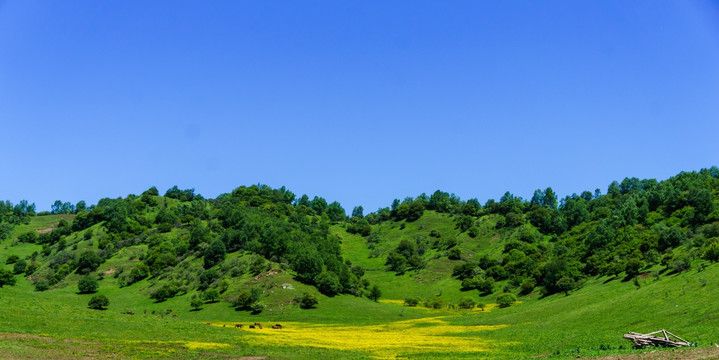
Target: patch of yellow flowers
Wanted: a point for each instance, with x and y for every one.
(386, 341)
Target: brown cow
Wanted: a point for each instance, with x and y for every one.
(174, 315)
(238, 326)
(208, 323)
(145, 312)
(252, 326)
(259, 326)
(278, 326)
(169, 310)
(257, 323)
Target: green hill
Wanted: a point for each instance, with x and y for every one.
(583, 270)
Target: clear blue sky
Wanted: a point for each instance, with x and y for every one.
(358, 102)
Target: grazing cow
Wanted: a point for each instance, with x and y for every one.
(238, 326)
(145, 312)
(130, 313)
(223, 325)
(153, 312)
(174, 315)
(278, 326)
(169, 310)
(259, 326)
(257, 323)
(252, 326)
(208, 323)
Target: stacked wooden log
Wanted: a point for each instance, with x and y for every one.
(661, 338)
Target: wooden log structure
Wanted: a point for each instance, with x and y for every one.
(661, 338)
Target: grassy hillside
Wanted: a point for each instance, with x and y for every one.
(583, 272)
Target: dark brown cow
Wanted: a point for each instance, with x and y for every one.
(252, 326)
(145, 312)
(238, 326)
(169, 310)
(208, 323)
(259, 326)
(174, 315)
(278, 326)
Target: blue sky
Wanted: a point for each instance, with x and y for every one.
(358, 102)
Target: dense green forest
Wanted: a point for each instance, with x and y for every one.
(183, 243)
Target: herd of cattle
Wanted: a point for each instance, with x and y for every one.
(237, 326)
(253, 326)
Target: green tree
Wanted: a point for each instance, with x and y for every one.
(308, 301)
(466, 303)
(565, 285)
(633, 266)
(358, 212)
(88, 261)
(211, 295)
(6, 278)
(247, 298)
(87, 284)
(712, 252)
(98, 302)
(139, 272)
(196, 302)
(506, 299)
(12, 259)
(214, 254)
(375, 293)
(328, 283)
(335, 212)
(19, 267)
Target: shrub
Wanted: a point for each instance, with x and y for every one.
(473, 232)
(19, 267)
(87, 284)
(505, 300)
(88, 261)
(486, 286)
(412, 301)
(375, 293)
(257, 307)
(308, 301)
(98, 302)
(6, 278)
(12, 259)
(454, 254)
(207, 277)
(436, 303)
(470, 283)
(527, 287)
(712, 252)
(139, 272)
(31, 268)
(164, 292)
(466, 303)
(28, 237)
(41, 285)
(196, 302)
(247, 298)
(211, 295)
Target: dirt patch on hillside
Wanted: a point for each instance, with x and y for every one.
(44, 231)
(669, 354)
(109, 272)
(267, 274)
